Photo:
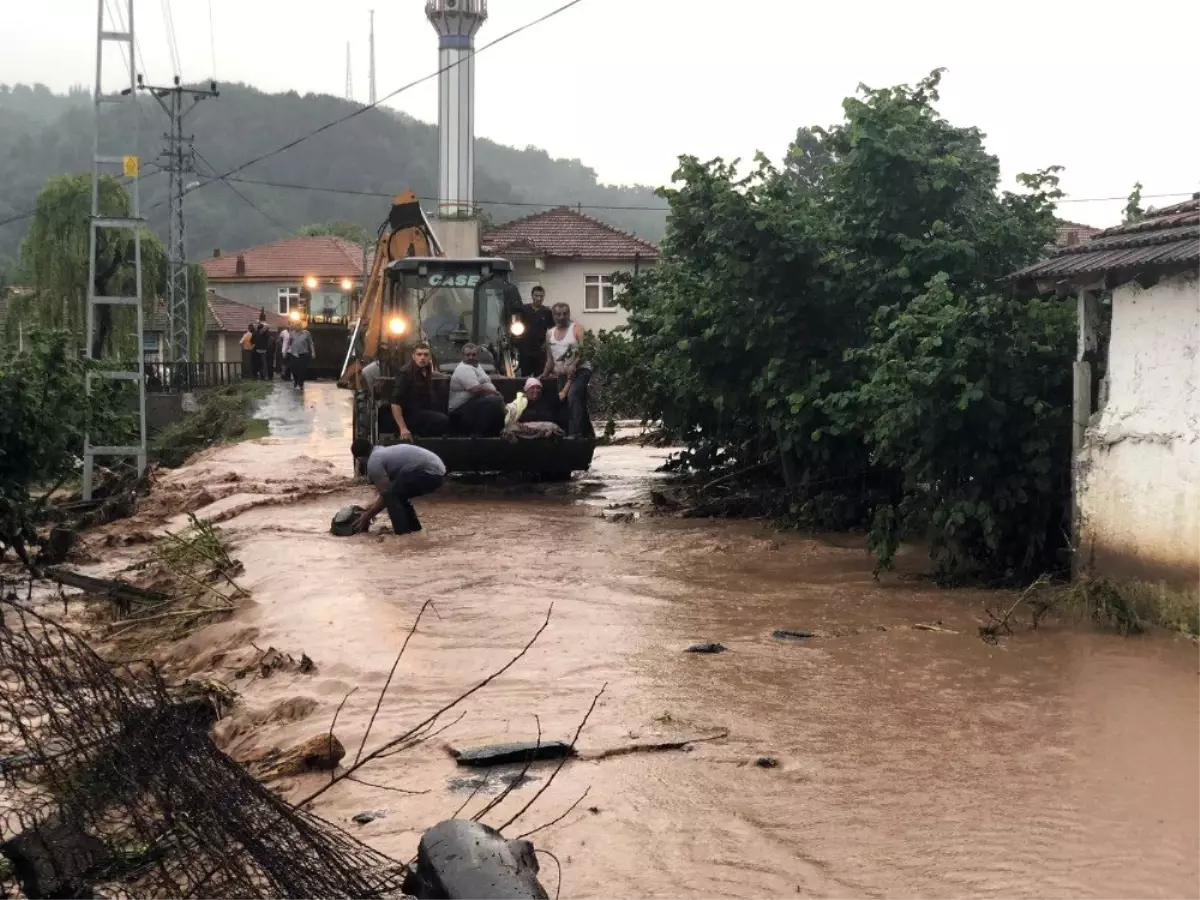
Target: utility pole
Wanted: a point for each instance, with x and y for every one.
(349, 79)
(372, 73)
(178, 160)
(113, 370)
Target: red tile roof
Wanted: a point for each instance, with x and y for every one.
(223, 316)
(563, 232)
(290, 259)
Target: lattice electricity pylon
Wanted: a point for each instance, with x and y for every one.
(178, 160)
(129, 170)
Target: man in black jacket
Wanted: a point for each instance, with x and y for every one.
(538, 319)
(412, 398)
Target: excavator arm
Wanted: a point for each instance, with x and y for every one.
(405, 233)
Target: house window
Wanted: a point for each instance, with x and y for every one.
(150, 343)
(598, 293)
(288, 296)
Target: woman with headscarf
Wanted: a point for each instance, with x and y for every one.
(530, 415)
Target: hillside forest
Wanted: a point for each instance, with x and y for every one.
(378, 153)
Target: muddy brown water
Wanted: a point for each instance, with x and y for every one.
(1061, 763)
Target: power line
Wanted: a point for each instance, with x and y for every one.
(359, 193)
(172, 45)
(30, 213)
(400, 90)
(266, 215)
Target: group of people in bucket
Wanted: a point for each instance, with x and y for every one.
(476, 407)
(550, 345)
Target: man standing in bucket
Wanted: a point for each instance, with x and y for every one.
(400, 473)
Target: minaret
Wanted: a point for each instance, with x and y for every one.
(456, 22)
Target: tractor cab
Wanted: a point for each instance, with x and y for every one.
(449, 303)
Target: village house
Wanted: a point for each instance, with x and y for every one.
(270, 276)
(1137, 396)
(225, 323)
(573, 257)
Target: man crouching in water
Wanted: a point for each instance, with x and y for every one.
(399, 473)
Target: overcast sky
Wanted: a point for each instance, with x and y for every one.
(1108, 91)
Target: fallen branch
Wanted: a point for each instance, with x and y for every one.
(657, 747)
(398, 741)
(570, 809)
(991, 632)
(731, 476)
(178, 614)
(926, 626)
(119, 590)
(384, 787)
(391, 674)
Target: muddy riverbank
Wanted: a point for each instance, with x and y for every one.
(1062, 762)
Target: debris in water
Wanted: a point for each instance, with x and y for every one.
(790, 634)
(594, 810)
(364, 818)
(706, 648)
(503, 754)
(933, 626)
(461, 858)
(321, 752)
(767, 762)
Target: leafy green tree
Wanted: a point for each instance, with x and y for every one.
(351, 231)
(1133, 206)
(807, 158)
(42, 429)
(969, 397)
(759, 337)
(55, 254)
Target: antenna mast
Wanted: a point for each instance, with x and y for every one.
(372, 74)
(349, 78)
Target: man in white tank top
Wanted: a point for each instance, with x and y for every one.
(565, 343)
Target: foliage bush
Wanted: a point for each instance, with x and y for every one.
(42, 429)
(843, 320)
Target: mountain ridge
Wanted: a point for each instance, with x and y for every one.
(380, 151)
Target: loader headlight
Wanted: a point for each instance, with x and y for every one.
(397, 325)
(516, 328)
(294, 315)
(347, 285)
(311, 282)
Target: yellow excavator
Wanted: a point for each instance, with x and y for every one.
(414, 293)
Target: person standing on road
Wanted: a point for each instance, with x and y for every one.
(262, 346)
(285, 364)
(400, 473)
(301, 354)
(538, 319)
(247, 343)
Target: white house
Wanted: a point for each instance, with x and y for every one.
(1137, 396)
(573, 257)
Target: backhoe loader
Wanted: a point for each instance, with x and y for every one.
(414, 293)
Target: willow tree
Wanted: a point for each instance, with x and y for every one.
(55, 256)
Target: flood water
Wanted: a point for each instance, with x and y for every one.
(910, 763)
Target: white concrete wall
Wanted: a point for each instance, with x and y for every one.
(564, 282)
(1139, 498)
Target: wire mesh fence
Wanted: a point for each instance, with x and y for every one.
(110, 788)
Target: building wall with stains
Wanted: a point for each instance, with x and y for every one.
(1139, 484)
